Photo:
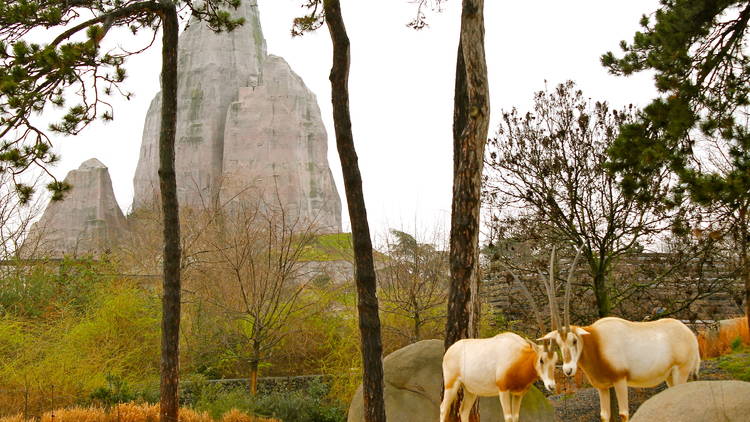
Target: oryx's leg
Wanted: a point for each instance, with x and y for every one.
(621, 391)
(603, 404)
(516, 406)
(673, 378)
(505, 401)
(466, 405)
(680, 375)
(451, 390)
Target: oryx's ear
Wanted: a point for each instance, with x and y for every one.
(549, 336)
(581, 332)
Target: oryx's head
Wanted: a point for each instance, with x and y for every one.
(569, 339)
(546, 359)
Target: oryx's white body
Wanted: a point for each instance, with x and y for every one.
(505, 365)
(613, 352)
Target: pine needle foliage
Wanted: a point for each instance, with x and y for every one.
(71, 72)
(702, 70)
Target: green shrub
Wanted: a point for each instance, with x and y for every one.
(116, 391)
(737, 364)
(310, 405)
(736, 344)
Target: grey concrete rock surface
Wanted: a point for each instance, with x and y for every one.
(699, 401)
(210, 69)
(275, 144)
(413, 380)
(246, 124)
(87, 220)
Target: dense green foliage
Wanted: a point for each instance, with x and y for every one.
(81, 329)
(310, 405)
(696, 49)
(77, 327)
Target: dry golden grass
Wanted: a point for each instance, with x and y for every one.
(132, 412)
(235, 415)
(714, 343)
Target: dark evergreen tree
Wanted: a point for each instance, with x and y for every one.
(33, 76)
(697, 50)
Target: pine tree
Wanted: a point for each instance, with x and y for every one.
(33, 76)
(696, 49)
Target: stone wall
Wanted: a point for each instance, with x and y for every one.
(721, 288)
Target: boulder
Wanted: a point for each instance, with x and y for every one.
(87, 221)
(700, 401)
(413, 380)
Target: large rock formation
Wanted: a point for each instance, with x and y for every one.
(248, 129)
(87, 220)
(413, 382)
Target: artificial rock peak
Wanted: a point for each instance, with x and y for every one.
(248, 129)
(86, 221)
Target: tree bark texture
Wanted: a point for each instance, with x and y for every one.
(367, 301)
(600, 291)
(253, 385)
(471, 115)
(170, 340)
(470, 126)
(744, 261)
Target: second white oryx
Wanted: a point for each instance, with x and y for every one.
(613, 352)
(505, 365)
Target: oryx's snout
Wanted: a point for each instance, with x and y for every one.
(569, 370)
(550, 386)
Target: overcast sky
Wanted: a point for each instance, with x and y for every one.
(401, 86)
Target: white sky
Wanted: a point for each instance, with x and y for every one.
(401, 86)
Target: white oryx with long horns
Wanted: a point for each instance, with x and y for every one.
(617, 353)
(504, 365)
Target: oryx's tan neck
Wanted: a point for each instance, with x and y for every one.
(521, 373)
(594, 363)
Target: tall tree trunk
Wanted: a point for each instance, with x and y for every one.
(253, 384)
(254, 361)
(417, 327)
(600, 292)
(470, 124)
(744, 261)
(364, 270)
(170, 326)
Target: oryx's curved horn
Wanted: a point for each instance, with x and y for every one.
(551, 293)
(532, 302)
(552, 287)
(571, 271)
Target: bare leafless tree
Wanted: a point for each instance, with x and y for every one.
(253, 271)
(547, 167)
(16, 219)
(414, 282)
